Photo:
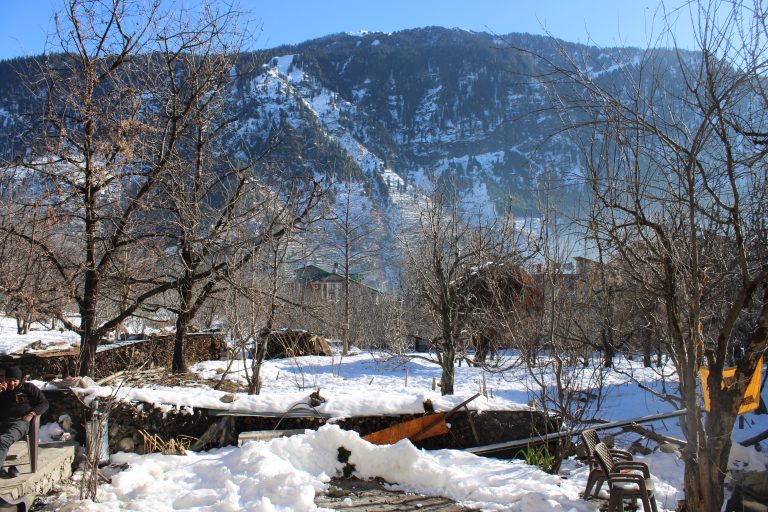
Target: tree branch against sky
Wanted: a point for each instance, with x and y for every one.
(678, 184)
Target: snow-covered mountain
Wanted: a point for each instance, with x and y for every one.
(406, 107)
(397, 111)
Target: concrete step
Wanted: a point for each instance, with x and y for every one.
(54, 465)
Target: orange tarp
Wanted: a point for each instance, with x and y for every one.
(416, 430)
(751, 399)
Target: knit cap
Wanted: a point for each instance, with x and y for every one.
(14, 372)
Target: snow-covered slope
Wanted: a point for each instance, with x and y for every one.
(399, 111)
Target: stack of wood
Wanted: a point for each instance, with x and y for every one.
(290, 343)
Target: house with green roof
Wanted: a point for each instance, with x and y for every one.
(315, 284)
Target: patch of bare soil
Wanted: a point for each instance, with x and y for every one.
(372, 496)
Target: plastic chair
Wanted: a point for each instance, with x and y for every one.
(33, 442)
(596, 476)
(627, 479)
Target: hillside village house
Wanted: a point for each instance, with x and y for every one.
(314, 285)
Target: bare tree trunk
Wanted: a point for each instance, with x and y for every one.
(647, 350)
(448, 371)
(261, 344)
(608, 350)
(704, 476)
(184, 317)
(481, 350)
(23, 322)
(89, 337)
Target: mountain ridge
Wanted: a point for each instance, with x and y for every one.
(398, 111)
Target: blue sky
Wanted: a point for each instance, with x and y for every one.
(25, 23)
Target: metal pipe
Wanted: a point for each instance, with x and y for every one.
(559, 435)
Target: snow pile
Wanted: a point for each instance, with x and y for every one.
(285, 474)
(52, 432)
(339, 404)
(746, 459)
(60, 430)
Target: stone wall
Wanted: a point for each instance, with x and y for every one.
(156, 351)
(127, 419)
(491, 426)
(64, 401)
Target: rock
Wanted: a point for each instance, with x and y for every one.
(55, 432)
(126, 444)
(174, 449)
(35, 345)
(228, 398)
(335, 492)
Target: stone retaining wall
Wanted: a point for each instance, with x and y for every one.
(64, 401)
(155, 351)
(126, 420)
(491, 426)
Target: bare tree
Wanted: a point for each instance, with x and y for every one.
(214, 203)
(90, 173)
(564, 380)
(124, 145)
(355, 227)
(28, 282)
(444, 251)
(273, 261)
(259, 288)
(676, 165)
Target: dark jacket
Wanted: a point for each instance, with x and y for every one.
(19, 402)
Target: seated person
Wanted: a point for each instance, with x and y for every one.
(20, 402)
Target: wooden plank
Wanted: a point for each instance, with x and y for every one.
(416, 430)
(297, 413)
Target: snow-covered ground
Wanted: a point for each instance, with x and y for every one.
(285, 474)
(38, 339)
